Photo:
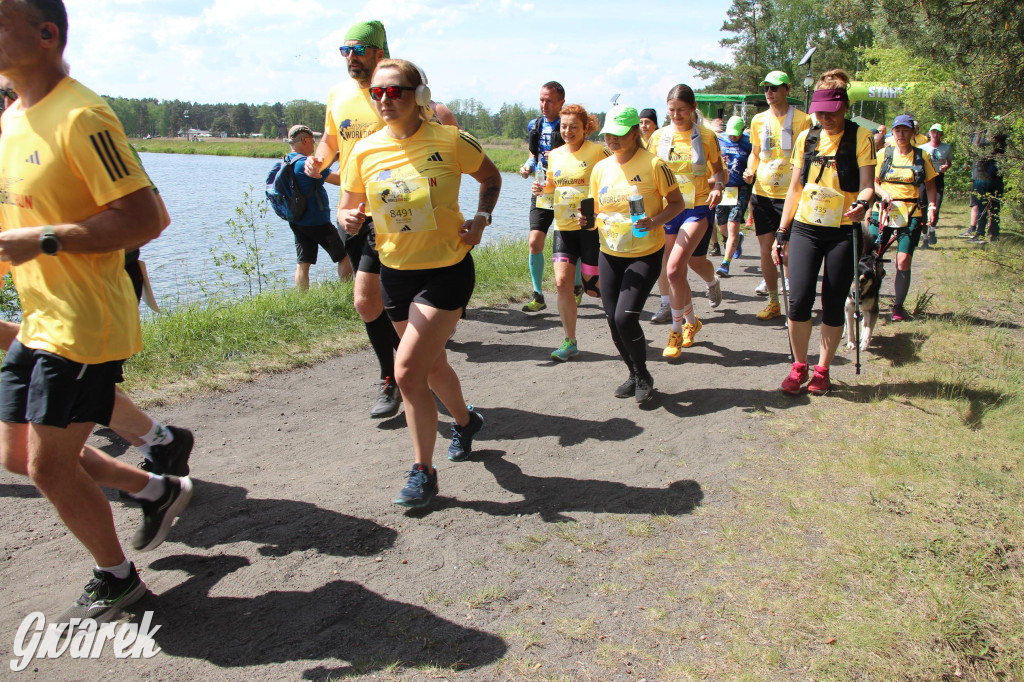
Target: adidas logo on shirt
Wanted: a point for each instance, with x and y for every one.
(636, 179)
(436, 156)
(34, 159)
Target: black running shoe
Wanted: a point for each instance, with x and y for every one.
(388, 399)
(158, 516)
(171, 458)
(627, 389)
(420, 487)
(462, 437)
(644, 388)
(105, 595)
(715, 250)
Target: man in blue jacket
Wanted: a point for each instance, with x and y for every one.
(314, 228)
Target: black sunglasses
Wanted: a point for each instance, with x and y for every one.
(7, 93)
(393, 91)
(773, 88)
(357, 50)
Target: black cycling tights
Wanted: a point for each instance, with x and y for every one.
(808, 247)
(625, 285)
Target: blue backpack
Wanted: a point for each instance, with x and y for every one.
(283, 192)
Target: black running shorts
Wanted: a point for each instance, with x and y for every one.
(448, 288)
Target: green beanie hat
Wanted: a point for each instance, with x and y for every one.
(370, 33)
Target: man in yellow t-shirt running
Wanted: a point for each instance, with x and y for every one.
(73, 199)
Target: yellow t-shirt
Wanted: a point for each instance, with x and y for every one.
(62, 161)
(569, 180)
(412, 192)
(610, 185)
(694, 188)
(350, 117)
(822, 202)
(899, 182)
(773, 168)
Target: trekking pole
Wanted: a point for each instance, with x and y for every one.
(856, 299)
(785, 291)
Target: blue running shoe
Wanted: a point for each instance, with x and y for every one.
(739, 245)
(567, 350)
(462, 437)
(420, 488)
(723, 269)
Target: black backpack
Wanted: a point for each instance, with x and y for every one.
(918, 167)
(846, 157)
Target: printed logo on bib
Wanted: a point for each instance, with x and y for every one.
(820, 206)
(688, 189)
(730, 196)
(775, 172)
(401, 205)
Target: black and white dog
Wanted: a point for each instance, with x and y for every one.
(869, 276)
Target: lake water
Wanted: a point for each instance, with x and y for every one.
(202, 193)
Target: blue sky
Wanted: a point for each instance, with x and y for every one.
(498, 51)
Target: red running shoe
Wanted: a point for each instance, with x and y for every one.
(819, 382)
(793, 384)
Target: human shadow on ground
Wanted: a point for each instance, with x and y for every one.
(338, 620)
(479, 351)
(552, 496)
(697, 402)
(965, 318)
(517, 322)
(729, 357)
(224, 514)
(21, 490)
(115, 446)
(509, 423)
(899, 349)
(979, 401)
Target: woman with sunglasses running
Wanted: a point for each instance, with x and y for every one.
(568, 181)
(408, 174)
(831, 188)
(631, 251)
(692, 153)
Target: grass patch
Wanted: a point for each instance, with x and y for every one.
(486, 595)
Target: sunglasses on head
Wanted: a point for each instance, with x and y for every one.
(392, 91)
(357, 50)
(773, 88)
(7, 93)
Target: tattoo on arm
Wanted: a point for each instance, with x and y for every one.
(489, 191)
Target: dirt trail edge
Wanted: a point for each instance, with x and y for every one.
(551, 552)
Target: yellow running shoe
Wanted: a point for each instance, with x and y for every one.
(690, 331)
(770, 312)
(672, 348)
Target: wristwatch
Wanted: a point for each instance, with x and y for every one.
(48, 242)
(484, 214)
(861, 202)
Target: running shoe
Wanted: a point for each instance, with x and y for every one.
(690, 331)
(967, 234)
(171, 458)
(420, 487)
(388, 398)
(644, 388)
(899, 314)
(715, 250)
(715, 293)
(627, 388)
(819, 384)
(461, 446)
(723, 269)
(577, 291)
(535, 304)
(663, 316)
(158, 516)
(933, 237)
(771, 311)
(977, 239)
(739, 245)
(673, 349)
(793, 384)
(105, 595)
(761, 289)
(567, 350)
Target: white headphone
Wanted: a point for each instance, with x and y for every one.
(422, 90)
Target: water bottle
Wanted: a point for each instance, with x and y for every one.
(636, 210)
(546, 199)
(542, 176)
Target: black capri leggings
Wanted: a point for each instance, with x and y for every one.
(625, 285)
(808, 247)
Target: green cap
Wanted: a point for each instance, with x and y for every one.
(938, 127)
(734, 126)
(776, 78)
(619, 120)
(369, 33)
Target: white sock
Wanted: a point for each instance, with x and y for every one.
(158, 434)
(664, 301)
(677, 320)
(120, 571)
(153, 490)
(688, 315)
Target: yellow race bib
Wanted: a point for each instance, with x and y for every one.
(775, 173)
(688, 189)
(567, 204)
(401, 205)
(545, 200)
(900, 213)
(730, 196)
(616, 232)
(820, 206)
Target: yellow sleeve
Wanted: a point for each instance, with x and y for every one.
(865, 148)
(469, 152)
(755, 134)
(353, 178)
(664, 178)
(929, 167)
(879, 158)
(712, 150)
(330, 127)
(804, 122)
(100, 154)
(798, 151)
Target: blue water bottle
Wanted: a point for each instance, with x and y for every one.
(636, 211)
